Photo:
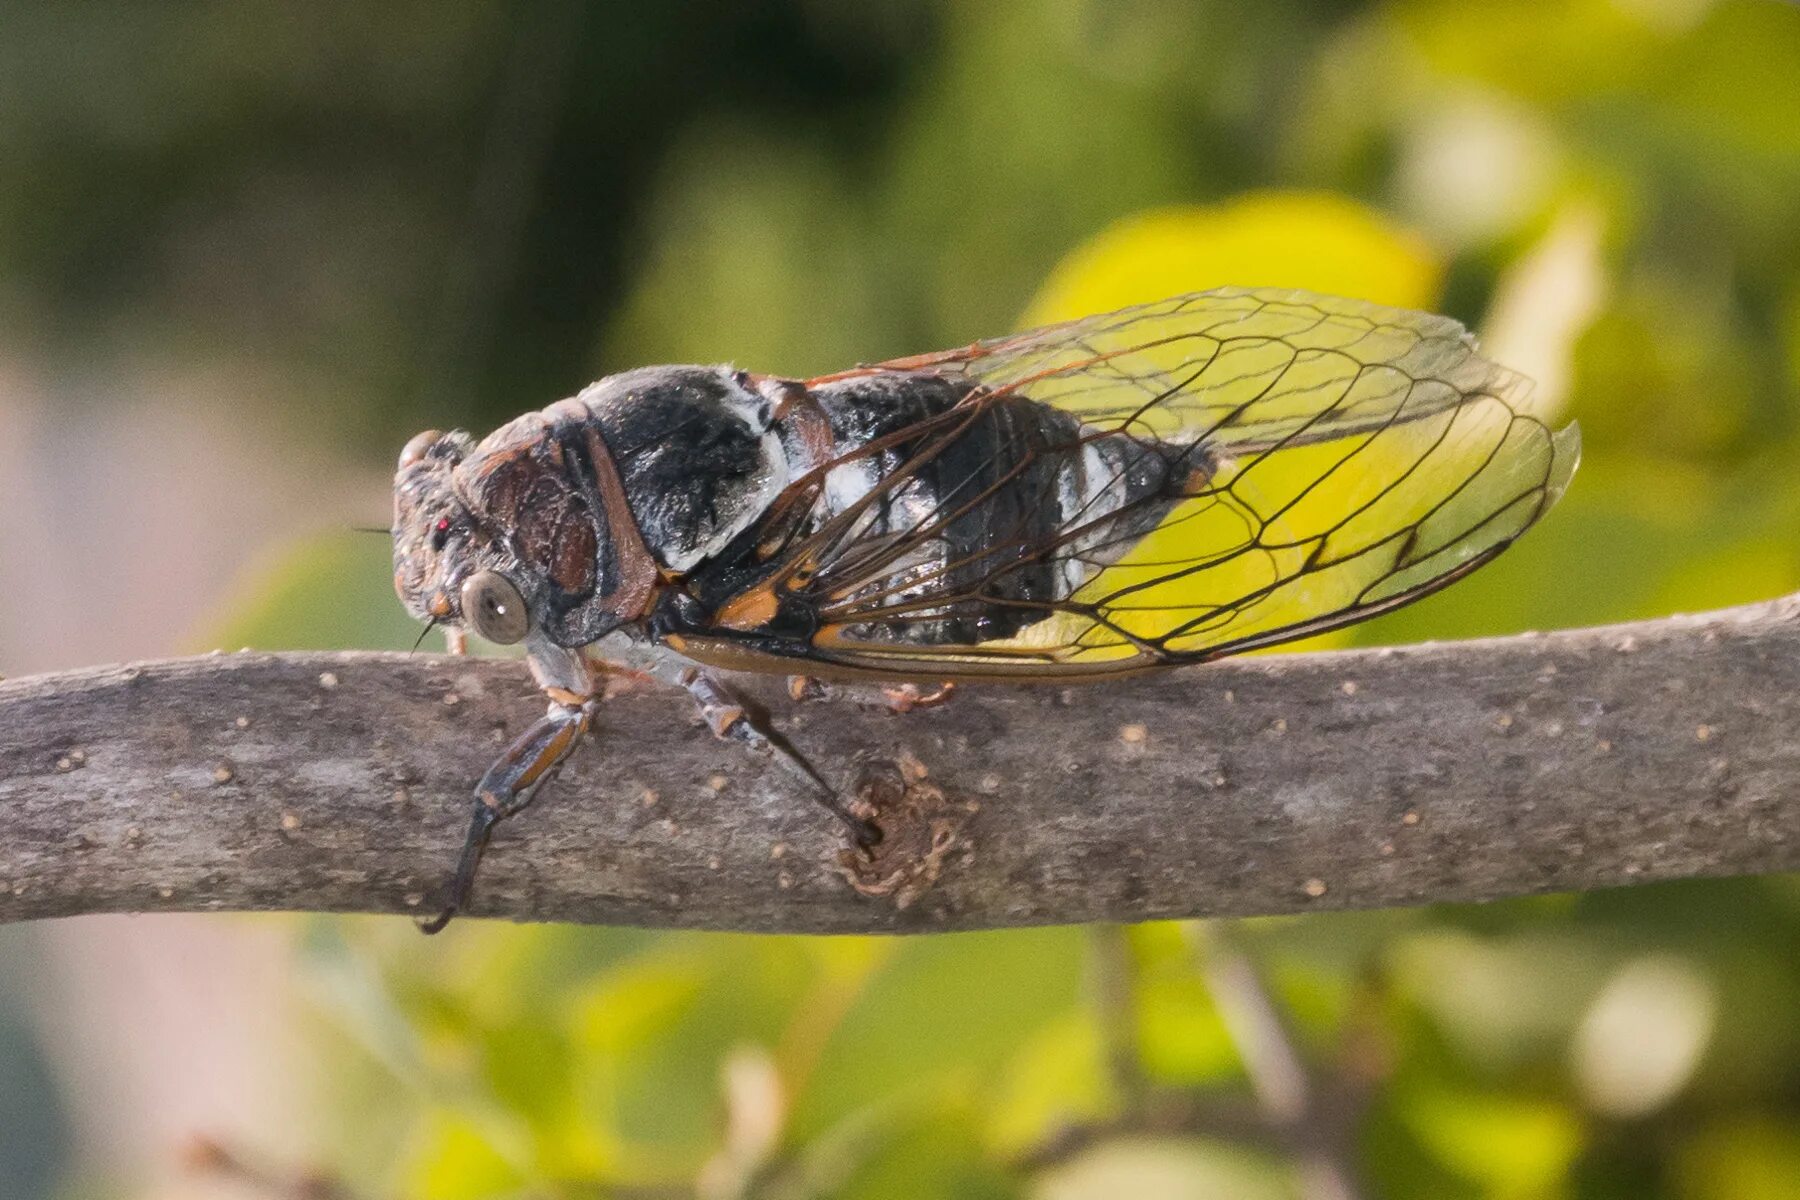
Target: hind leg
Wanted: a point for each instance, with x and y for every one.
(903, 698)
(898, 697)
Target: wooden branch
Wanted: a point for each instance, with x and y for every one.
(1447, 772)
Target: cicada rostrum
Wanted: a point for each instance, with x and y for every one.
(1144, 489)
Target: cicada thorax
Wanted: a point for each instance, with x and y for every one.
(610, 498)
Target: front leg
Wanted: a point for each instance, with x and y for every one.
(532, 758)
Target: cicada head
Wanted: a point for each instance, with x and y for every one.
(528, 533)
(427, 518)
(448, 568)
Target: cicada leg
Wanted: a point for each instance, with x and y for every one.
(525, 765)
(802, 688)
(899, 698)
(731, 721)
(573, 685)
(903, 698)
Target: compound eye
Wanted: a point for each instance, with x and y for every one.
(494, 609)
(415, 449)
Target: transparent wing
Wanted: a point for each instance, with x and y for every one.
(1239, 367)
(1346, 458)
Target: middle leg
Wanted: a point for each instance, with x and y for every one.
(731, 721)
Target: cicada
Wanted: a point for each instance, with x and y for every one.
(1140, 490)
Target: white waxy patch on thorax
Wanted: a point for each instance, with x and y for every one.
(751, 410)
(849, 482)
(748, 406)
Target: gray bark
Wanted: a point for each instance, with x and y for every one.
(1444, 772)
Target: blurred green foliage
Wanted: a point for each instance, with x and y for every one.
(455, 211)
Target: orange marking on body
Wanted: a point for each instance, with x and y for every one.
(749, 610)
(828, 636)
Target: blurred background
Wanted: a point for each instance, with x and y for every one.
(248, 248)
